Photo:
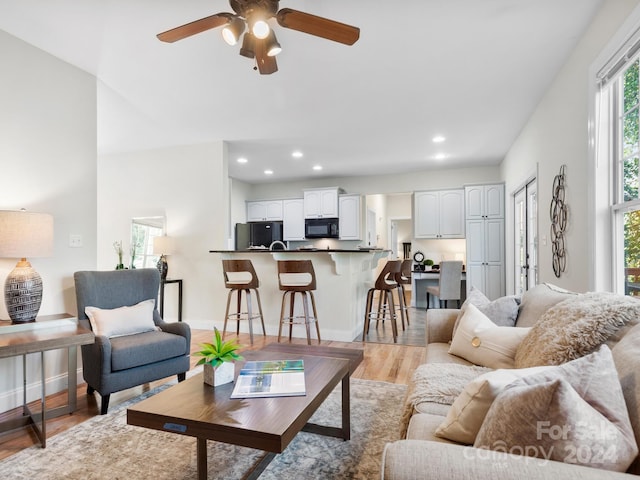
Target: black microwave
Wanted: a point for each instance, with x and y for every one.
(321, 228)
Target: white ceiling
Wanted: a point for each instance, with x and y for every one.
(471, 70)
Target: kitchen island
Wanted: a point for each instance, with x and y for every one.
(343, 278)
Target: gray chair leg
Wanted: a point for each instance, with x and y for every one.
(182, 377)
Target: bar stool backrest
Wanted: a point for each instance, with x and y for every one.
(239, 274)
(296, 275)
(450, 280)
(404, 276)
(387, 278)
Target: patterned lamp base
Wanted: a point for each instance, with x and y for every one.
(23, 293)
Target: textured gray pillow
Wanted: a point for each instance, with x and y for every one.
(551, 421)
(502, 311)
(594, 380)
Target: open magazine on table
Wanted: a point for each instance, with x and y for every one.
(270, 378)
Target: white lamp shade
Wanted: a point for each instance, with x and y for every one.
(25, 234)
(163, 245)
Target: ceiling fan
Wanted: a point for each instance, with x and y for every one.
(259, 41)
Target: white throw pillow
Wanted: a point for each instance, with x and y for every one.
(482, 342)
(469, 409)
(121, 321)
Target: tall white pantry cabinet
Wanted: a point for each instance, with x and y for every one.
(485, 239)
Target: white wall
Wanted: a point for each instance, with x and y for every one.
(48, 160)
(556, 134)
(190, 187)
(370, 185)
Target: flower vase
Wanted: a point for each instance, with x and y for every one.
(219, 375)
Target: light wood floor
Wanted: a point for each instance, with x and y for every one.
(382, 361)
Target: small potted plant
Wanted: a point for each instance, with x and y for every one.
(217, 360)
(428, 263)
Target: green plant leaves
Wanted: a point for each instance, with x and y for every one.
(219, 351)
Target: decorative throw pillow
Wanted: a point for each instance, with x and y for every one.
(594, 379)
(550, 420)
(537, 300)
(480, 341)
(503, 311)
(575, 327)
(468, 410)
(121, 321)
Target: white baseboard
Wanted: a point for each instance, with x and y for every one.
(13, 398)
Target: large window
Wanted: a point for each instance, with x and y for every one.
(621, 93)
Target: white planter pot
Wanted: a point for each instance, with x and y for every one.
(220, 375)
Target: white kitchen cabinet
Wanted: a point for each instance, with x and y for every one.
(439, 214)
(264, 211)
(350, 217)
(485, 239)
(293, 219)
(321, 203)
(484, 201)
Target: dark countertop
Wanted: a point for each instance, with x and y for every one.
(315, 250)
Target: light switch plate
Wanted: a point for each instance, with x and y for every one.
(75, 240)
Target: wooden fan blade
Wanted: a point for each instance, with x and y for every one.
(266, 64)
(197, 26)
(318, 26)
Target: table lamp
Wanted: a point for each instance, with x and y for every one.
(24, 234)
(163, 246)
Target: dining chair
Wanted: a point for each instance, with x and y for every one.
(448, 287)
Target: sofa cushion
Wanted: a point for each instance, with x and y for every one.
(594, 379)
(575, 327)
(538, 300)
(626, 355)
(126, 320)
(131, 351)
(464, 418)
(422, 427)
(438, 383)
(439, 353)
(482, 342)
(503, 311)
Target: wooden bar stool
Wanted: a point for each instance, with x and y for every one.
(297, 276)
(385, 284)
(240, 276)
(404, 278)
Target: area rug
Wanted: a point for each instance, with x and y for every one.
(105, 447)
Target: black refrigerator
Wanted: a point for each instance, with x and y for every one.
(256, 234)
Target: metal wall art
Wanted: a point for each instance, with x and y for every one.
(558, 214)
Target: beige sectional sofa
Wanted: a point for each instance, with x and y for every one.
(421, 454)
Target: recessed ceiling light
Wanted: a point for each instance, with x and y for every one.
(297, 154)
(438, 139)
(440, 156)
(268, 172)
(317, 167)
(242, 160)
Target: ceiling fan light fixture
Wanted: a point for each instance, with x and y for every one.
(232, 31)
(248, 46)
(260, 29)
(273, 47)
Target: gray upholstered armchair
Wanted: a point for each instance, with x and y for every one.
(119, 361)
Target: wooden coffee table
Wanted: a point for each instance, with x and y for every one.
(195, 409)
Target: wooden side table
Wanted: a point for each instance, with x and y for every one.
(38, 337)
(162, 284)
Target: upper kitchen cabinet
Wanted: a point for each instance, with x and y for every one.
(439, 214)
(321, 203)
(350, 217)
(264, 211)
(293, 219)
(484, 201)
